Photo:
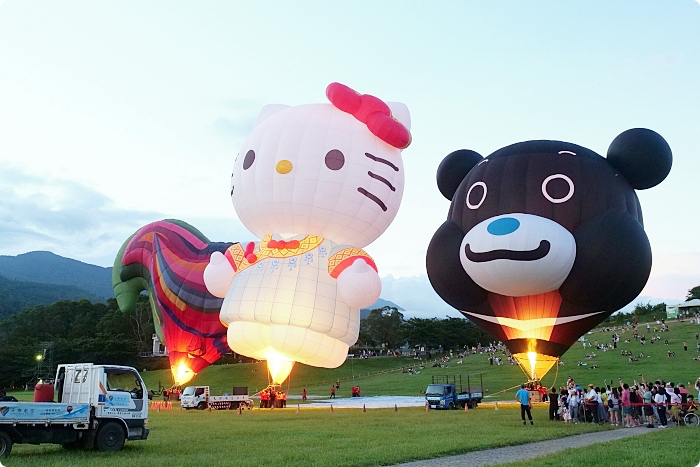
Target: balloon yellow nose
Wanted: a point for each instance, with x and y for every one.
(283, 167)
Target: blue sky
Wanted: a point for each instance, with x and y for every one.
(115, 114)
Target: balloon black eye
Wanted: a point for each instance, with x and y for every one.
(476, 195)
(335, 160)
(558, 188)
(249, 159)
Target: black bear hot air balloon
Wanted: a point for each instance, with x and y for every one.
(545, 239)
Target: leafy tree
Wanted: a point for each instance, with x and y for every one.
(693, 293)
(79, 331)
(383, 326)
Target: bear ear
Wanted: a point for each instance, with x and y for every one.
(642, 156)
(453, 168)
(267, 111)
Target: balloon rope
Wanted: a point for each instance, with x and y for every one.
(556, 374)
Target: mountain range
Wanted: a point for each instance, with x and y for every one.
(42, 278)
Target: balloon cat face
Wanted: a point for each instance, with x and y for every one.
(316, 169)
(544, 239)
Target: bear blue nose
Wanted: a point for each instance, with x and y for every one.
(503, 226)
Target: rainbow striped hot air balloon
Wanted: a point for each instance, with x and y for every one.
(167, 258)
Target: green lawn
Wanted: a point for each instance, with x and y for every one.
(314, 437)
(677, 447)
(382, 375)
(382, 436)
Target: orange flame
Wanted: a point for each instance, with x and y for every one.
(182, 374)
(279, 366)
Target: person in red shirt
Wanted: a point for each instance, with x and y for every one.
(332, 392)
(303, 395)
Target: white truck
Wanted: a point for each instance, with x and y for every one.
(96, 406)
(199, 397)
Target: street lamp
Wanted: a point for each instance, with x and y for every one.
(39, 357)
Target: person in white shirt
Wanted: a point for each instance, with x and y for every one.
(660, 400)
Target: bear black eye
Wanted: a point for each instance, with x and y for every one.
(476, 195)
(558, 188)
(335, 160)
(249, 159)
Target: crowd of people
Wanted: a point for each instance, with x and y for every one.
(273, 398)
(641, 403)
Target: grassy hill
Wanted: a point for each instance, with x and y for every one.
(383, 376)
(48, 268)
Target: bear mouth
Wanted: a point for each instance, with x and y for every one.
(514, 255)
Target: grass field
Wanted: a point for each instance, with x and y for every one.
(349, 437)
(678, 447)
(313, 437)
(382, 375)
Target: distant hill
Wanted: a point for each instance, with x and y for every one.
(381, 303)
(16, 296)
(48, 268)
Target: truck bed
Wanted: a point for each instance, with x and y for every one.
(43, 413)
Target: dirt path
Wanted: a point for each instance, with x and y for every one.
(526, 451)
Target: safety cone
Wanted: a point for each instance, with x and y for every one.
(364, 409)
(158, 407)
(495, 406)
(297, 408)
(170, 405)
(466, 407)
(331, 408)
(427, 407)
(396, 409)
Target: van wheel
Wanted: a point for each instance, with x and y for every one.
(451, 405)
(5, 444)
(201, 406)
(110, 437)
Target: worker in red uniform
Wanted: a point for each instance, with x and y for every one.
(332, 392)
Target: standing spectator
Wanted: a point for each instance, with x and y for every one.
(676, 404)
(647, 411)
(573, 406)
(697, 386)
(332, 392)
(614, 407)
(602, 413)
(591, 402)
(626, 405)
(303, 395)
(523, 396)
(553, 404)
(660, 400)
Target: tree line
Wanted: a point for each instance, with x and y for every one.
(386, 327)
(79, 331)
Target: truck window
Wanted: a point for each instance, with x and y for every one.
(189, 390)
(199, 392)
(127, 381)
(435, 390)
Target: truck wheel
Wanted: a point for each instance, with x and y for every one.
(110, 437)
(451, 405)
(201, 406)
(5, 444)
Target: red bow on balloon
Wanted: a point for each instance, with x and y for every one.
(371, 111)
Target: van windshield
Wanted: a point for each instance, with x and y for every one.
(435, 390)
